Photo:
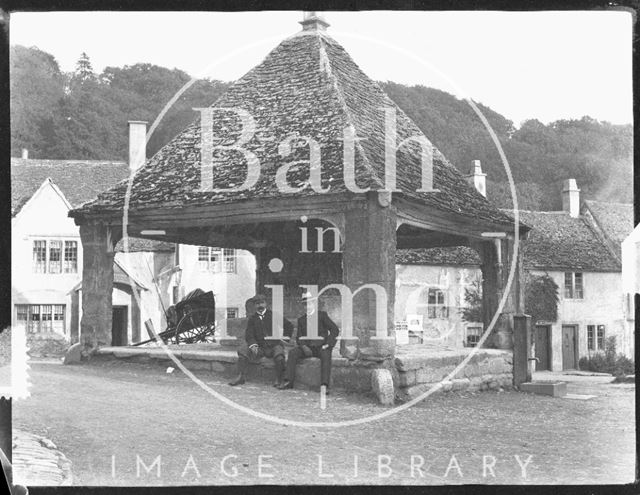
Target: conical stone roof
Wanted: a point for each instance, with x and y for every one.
(307, 86)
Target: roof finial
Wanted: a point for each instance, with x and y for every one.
(312, 21)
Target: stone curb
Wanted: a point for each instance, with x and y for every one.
(38, 462)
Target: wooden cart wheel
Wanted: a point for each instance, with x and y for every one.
(197, 325)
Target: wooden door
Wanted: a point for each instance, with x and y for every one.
(569, 347)
(542, 341)
(119, 326)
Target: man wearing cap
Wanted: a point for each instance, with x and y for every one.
(257, 344)
(320, 347)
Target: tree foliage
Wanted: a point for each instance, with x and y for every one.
(472, 310)
(84, 115)
(541, 298)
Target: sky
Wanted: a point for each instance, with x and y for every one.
(542, 65)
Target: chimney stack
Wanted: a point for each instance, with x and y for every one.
(477, 178)
(571, 198)
(25, 154)
(137, 144)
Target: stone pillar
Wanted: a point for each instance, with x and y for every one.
(369, 258)
(496, 256)
(97, 284)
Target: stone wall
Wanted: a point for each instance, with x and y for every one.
(47, 345)
(487, 369)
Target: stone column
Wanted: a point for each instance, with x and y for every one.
(369, 258)
(97, 284)
(495, 268)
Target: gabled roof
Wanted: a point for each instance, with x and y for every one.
(613, 220)
(79, 180)
(559, 242)
(307, 86)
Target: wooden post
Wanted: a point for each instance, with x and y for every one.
(97, 284)
(521, 349)
(369, 258)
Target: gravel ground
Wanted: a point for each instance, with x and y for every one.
(113, 419)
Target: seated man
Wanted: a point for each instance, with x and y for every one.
(256, 344)
(320, 348)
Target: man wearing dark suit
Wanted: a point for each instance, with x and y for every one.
(256, 345)
(320, 347)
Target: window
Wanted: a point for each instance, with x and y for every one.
(70, 257)
(595, 337)
(436, 304)
(55, 256)
(42, 318)
(216, 260)
(229, 260)
(573, 286)
(232, 313)
(48, 256)
(39, 256)
(600, 337)
(473, 336)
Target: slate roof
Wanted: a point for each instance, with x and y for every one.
(307, 86)
(615, 220)
(79, 180)
(558, 242)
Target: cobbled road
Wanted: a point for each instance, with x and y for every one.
(132, 424)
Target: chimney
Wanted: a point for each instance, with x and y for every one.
(137, 144)
(311, 21)
(25, 154)
(571, 198)
(477, 178)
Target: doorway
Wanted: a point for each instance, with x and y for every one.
(569, 347)
(119, 326)
(542, 342)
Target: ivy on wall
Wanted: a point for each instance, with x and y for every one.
(541, 298)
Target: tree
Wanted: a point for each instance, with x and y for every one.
(541, 298)
(472, 311)
(37, 86)
(84, 70)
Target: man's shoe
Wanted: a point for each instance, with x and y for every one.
(285, 385)
(238, 381)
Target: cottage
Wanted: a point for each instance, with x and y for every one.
(580, 248)
(47, 260)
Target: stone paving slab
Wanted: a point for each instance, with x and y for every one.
(37, 461)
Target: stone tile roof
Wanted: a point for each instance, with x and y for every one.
(137, 244)
(459, 255)
(307, 86)
(615, 220)
(558, 242)
(79, 180)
